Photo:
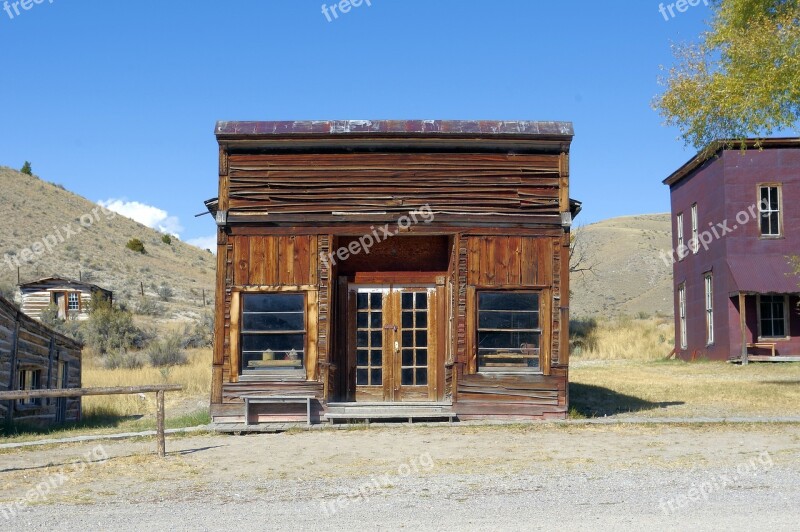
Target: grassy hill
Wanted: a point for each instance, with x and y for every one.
(92, 246)
(629, 277)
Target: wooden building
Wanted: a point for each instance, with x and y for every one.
(392, 269)
(72, 298)
(734, 223)
(34, 357)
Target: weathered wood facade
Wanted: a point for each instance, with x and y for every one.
(72, 298)
(393, 263)
(34, 357)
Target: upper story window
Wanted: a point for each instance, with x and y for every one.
(681, 247)
(509, 332)
(769, 207)
(694, 243)
(273, 334)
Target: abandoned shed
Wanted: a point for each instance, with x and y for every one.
(380, 269)
(34, 357)
(71, 298)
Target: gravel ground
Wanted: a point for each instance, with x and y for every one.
(733, 477)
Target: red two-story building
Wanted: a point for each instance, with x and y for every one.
(735, 220)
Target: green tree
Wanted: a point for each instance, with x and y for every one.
(742, 79)
(166, 239)
(26, 168)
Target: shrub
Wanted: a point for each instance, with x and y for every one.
(166, 239)
(123, 359)
(111, 328)
(71, 327)
(165, 292)
(26, 168)
(200, 333)
(134, 244)
(149, 307)
(7, 291)
(167, 351)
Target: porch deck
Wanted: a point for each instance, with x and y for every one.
(389, 411)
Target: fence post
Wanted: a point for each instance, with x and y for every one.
(160, 423)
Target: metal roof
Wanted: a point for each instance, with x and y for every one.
(763, 274)
(64, 281)
(396, 127)
(713, 150)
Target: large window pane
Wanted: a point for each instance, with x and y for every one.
(273, 336)
(509, 332)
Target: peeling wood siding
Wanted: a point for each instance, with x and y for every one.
(390, 182)
(27, 344)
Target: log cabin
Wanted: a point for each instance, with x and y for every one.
(391, 269)
(72, 298)
(34, 357)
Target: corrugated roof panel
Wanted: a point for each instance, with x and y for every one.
(763, 274)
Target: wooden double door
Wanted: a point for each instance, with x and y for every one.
(393, 342)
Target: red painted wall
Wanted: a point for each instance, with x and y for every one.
(724, 188)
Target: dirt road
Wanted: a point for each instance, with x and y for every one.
(534, 477)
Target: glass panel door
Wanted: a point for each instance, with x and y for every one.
(391, 343)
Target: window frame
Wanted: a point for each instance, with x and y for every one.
(694, 243)
(786, 315)
(682, 333)
(24, 384)
(708, 296)
(299, 374)
(77, 296)
(540, 330)
(779, 191)
(681, 239)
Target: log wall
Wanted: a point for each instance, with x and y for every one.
(26, 344)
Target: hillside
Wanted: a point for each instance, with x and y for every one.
(92, 245)
(629, 276)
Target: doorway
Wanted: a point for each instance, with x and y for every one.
(392, 342)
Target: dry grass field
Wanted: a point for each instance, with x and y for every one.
(618, 368)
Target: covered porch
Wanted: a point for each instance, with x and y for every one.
(768, 308)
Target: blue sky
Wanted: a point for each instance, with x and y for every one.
(117, 100)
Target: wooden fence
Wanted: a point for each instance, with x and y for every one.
(158, 389)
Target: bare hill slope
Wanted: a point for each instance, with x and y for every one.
(63, 234)
(629, 276)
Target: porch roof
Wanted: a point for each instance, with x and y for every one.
(763, 274)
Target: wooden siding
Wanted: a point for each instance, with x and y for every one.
(275, 260)
(512, 396)
(26, 344)
(393, 182)
(498, 225)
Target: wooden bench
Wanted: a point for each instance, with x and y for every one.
(277, 399)
(764, 345)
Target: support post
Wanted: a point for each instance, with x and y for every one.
(160, 424)
(743, 326)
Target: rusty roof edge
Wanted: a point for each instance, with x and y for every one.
(717, 146)
(519, 128)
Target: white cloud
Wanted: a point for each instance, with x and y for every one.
(145, 214)
(205, 242)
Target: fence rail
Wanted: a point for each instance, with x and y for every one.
(158, 389)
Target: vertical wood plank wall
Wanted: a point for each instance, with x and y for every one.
(511, 262)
